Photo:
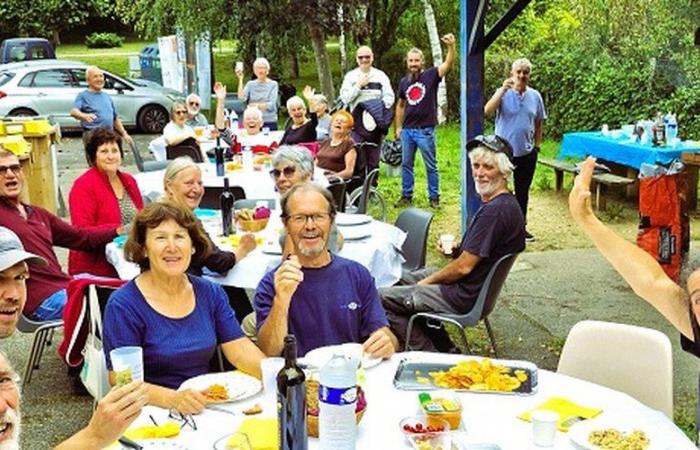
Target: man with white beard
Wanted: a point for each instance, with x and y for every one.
(114, 412)
(497, 228)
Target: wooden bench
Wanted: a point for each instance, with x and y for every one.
(600, 181)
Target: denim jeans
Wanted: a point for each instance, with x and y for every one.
(52, 307)
(424, 139)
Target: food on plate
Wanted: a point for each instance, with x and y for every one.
(441, 407)
(613, 439)
(234, 166)
(312, 407)
(261, 212)
(261, 158)
(420, 429)
(427, 445)
(253, 410)
(216, 393)
(478, 375)
(253, 219)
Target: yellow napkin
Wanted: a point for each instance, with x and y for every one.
(262, 433)
(566, 410)
(234, 240)
(166, 430)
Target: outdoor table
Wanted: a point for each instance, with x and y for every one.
(255, 183)
(488, 418)
(379, 253)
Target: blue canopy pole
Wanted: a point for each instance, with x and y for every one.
(472, 96)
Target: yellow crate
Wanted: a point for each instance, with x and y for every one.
(14, 128)
(40, 126)
(2, 127)
(15, 143)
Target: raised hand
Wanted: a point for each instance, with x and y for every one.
(580, 196)
(448, 39)
(220, 91)
(287, 278)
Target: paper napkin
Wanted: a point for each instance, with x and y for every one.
(566, 410)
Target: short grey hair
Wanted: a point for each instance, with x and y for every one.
(498, 159)
(522, 62)
(253, 113)
(297, 155)
(295, 101)
(176, 104)
(321, 99)
(306, 187)
(193, 96)
(176, 166)
(92, 69)
(262, 62)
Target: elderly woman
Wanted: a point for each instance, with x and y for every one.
(177, 319)
(102, 198)
(337, 154)
(260, 93)
(252, 122)
(183, 185)
(177, 132)
(323, 128)
(300, 128)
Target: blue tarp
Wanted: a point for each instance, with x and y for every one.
(621, 151)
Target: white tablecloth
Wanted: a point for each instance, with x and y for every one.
(486, 417)
(255, 183)
(379, 253)
(158, 145)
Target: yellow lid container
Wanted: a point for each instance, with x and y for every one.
(39, 126)
(2, 127)
(15, 143)
(14, 128)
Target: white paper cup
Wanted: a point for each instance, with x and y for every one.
(446, 242)
(544, 427)
(270, 368)
(266, 130)
(127, 364)
(239, 66)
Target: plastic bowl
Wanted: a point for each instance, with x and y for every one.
(428, 427)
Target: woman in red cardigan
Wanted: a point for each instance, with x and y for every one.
(101, 198)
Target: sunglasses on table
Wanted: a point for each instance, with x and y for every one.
(287, 171)
(15, 168)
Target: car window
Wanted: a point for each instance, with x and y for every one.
(113, 83)
(5, 77)
(27, 80)
(79, 75)
(39, 52)
(18, 53)
(53, 78)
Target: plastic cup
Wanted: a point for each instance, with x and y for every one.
(266, 131)
(199, 131)
(270, 368)
(239, 66)
(447, 242)
(127, 364)
(544, 427)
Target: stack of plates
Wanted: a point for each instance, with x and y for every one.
(354, 226)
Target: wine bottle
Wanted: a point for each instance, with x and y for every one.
(291, 400)
(219, 152)
(226, 200)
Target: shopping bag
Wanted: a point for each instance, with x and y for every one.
(94, 374)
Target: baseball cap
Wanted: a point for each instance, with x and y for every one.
(492, 142)
(12, 251)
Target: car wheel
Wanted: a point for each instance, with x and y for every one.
(152, 119)
(22, 112)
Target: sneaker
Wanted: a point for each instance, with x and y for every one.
(434, 203)
(529, 237)
(404, 202)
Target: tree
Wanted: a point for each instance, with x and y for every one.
(436, 50)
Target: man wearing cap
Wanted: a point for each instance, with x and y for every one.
(497, 229)
(39, 230)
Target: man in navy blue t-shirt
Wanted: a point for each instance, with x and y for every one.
(319, 297)
(497, 229)
(416, 118)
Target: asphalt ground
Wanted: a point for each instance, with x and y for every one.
(545, 295)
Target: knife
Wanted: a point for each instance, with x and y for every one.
(128, 443)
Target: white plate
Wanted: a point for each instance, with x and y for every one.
(356, 233)
(239, 385)
(159, 444)
(579, 432)
(347, 220)
(320, 356)
(271, 248)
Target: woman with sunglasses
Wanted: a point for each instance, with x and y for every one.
(177, 132)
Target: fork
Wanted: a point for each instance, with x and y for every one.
(572, 420)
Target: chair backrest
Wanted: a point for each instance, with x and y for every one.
(366, 186)
(212, 196)
(337, 186)
(188, 147)
(312, 147)
(416, 224)
(627, 358)
(251, 203)
(145, 166)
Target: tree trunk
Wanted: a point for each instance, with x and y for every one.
(191, 64)
(318, 40)
(341, 42)
(294, 64)
(55, 38)
(436, 50)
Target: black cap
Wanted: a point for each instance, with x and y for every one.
(492, 142)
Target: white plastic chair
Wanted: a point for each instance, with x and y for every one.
(635, 360)
(157, 148)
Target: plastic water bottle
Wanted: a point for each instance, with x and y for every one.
(337, 429)
(671, 129)
(247, 158)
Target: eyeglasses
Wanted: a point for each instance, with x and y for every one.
(193, 104)
(9, 382)
(179, 112)
(364, 57)
(287, 171)
(492, 142)
(301, 219)
(15, 168)
(186, 419)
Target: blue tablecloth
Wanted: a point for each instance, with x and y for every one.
(621, 151)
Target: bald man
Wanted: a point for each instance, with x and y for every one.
(94, 108)
(366, 82)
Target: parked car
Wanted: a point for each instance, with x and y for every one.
(25, 49)
(48, 88)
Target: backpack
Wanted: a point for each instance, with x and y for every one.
(391, 152)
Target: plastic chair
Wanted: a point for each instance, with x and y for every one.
(212, 196)
(157, 147)
(188, 147)
(337, 186)
(43, 332)
(145, 166)
(488, 294)
(416, 223)
(251, 203)
(635, 360)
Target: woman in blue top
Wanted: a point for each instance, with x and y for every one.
(177, 319)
